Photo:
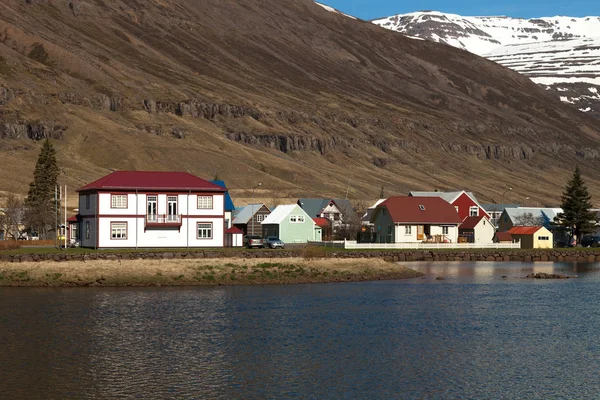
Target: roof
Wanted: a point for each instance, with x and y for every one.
(314, 206)
(544, 215)
(234, 230)
(470, 222)
(228, 202)
(524, 230)
(322, 222)
(73, 218)
(497, 207)
(151, 180)
(281, 212)
(504, 237)
(450, 197)
(426, 210)
(246, 213)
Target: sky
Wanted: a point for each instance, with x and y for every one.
(371, 9)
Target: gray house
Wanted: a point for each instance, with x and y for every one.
(332, 209)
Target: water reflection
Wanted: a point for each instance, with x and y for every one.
(472, 335)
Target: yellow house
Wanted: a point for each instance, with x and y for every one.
(533, 237)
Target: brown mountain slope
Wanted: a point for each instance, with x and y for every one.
(277, 91)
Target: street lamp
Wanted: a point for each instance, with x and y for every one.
(526, 201)
(252, 205)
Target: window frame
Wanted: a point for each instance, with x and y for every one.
(87, 230)
(293, 219)
(445, 230)
(198, 237)
(212, 202)
(260, 217)
(87, 202)
(301, 219)
(408, 229)
(119, 223)
(112, 201)
(473, 208)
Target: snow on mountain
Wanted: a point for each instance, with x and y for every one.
(331, 9)
(560, 53)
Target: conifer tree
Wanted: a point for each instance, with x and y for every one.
(40, 208)
(576, 217)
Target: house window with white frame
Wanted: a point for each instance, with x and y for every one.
(205, 230)
(408, 230)
(445, 230)
(118, 201)
(260, 217)
(300, 219)
(205, 202)
(543, 238)
(118, 230)
(293, 219)
(474, 211)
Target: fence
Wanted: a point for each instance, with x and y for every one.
(353, 245)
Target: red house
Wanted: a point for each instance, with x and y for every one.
(465, 203)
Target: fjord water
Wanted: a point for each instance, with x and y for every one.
(483, 332)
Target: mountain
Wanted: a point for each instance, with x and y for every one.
(560, 53)
(308, 102)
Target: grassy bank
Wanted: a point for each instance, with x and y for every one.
(230, 271)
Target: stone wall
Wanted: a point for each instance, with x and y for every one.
(575, 255)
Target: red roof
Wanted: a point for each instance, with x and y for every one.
(504, 237)
(73, 218)
(234, 230)
(151, 180)
(524, 230)
(470, 222)
(420, 210)
(322, 222)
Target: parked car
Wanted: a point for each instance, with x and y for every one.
(590, 241)
(273, 242)
(251, 241)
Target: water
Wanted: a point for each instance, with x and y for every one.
(483, 332)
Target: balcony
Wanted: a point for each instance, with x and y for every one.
(163, 220)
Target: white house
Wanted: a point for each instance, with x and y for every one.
(409, 219)
(479, 230)
(144, 209)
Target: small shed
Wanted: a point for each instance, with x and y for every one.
(234, 237)
(503, 237)
(533, 237)
(476, 229)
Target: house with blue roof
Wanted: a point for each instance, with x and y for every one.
(229, 207)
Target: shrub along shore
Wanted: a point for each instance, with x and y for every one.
(207, 272)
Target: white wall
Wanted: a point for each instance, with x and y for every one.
(452, 232)
(401, 236)
(182, 204)
(484, 232)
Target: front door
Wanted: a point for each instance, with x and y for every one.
(420, 232)
(152, 209)
(172, 208)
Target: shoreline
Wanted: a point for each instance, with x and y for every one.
(199, 272)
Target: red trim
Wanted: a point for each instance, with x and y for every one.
(97, 221)
(144, 216)
(126, 229)
(119, 194)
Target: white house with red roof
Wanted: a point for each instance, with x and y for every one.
(146, 209)
(478, 230)
(411, 219)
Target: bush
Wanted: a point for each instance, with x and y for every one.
(9, 245)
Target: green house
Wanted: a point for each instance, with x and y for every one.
(291, 224)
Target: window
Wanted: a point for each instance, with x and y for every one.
(260, 218)
(75, 231)
(204, 230)
(543, 238)
(474, 211)
(205, 202)
(445, 230)
(118, 201)
(87, 229)
(421, 207)
(297, 219)
(408, 230)
(118, 230)
(87, 201)
(293, 219)
(300, 219)
(456, 208)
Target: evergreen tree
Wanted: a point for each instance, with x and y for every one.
(40, 208)
(576, 218)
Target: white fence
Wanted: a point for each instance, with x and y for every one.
(352, 244)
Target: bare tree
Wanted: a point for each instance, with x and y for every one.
(528, 219)
(351, 220)
(11, 216)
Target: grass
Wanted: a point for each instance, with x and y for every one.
(209, 272)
